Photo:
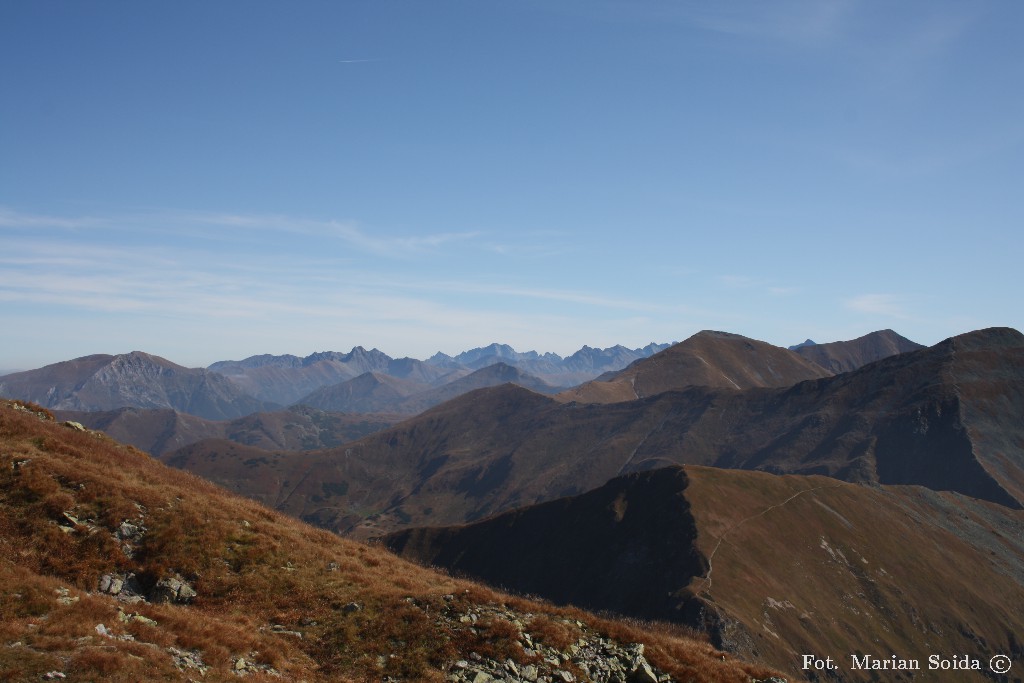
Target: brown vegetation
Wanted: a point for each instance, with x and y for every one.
(272, 593)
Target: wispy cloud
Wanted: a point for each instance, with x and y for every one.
(888, 305)
(10, 218)
(804, 23)
(763, 285)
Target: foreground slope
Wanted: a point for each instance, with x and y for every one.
(946, 417)
(116, 568)
(135, 379)
(773, 566)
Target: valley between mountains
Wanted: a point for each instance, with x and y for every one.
(863, 497)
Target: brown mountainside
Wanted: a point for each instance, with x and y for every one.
(370, 392)
(945, 417)
(114, 567)
(134, 379)
(710, 359)
(376, 392)
(844, 356)
(488, 376)
(774, 566)
(158, 431)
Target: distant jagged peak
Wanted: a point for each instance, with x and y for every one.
(259, 361)
(806, 342)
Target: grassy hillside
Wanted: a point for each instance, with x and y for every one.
(774, 567)
(209, 586)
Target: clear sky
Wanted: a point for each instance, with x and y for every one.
(212, 180)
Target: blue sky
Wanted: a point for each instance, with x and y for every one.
(211, 180)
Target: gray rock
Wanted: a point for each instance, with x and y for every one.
(174, 589)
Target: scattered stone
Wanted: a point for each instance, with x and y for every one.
(127, 618)
(187, 660)
(332, 566)
(284, 630)
(174, 589)
(64, 597)
(352, 607)
(124, 587)
(77, 426)
(54, 676)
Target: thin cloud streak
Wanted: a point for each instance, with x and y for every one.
(877, 304)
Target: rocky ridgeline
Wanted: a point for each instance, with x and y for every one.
(590, 657)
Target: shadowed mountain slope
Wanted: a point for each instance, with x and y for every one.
(945, 417)
(368, 393)
(488, 376)
(709, 359)
(114, 567)
(135, 379)
(773, 566)
(844, 356)
(298, 428)
(380, 393)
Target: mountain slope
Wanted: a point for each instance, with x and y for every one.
(158, 431)
(945, 417)
(135, 379)
(371, 392)
(488, 376)
(116, 568)
(844, 356)
(710, 359)
(776, 567)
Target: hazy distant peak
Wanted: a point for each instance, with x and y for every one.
(806, 342)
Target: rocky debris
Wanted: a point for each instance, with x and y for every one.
(77, 426)
(351, 607)
(185, 661)
(244, 667)
(64, 597)
(591, 657)
(174, 589)
(39, 412)
(130, 531)
(284, 631)
(102, 630)
(127, 618)
(130, 534)
(54, 676)
(125, 587)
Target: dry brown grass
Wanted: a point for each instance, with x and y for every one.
(256, 572)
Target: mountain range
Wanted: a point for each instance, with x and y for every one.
(938, 417)
(359, 381)
(854, 498)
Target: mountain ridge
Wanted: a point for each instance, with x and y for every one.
(890, 422)
(772, 566)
